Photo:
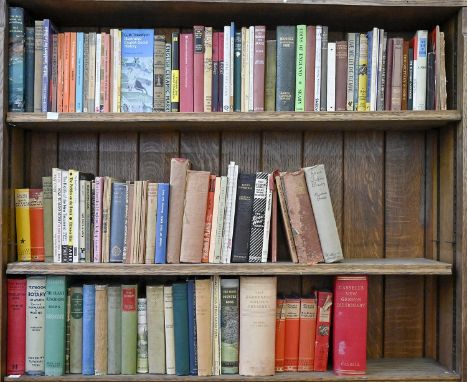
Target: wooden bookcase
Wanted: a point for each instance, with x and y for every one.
(397, 179)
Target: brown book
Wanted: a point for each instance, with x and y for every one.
(193, 224)
(259, 68)
(179, 168)
(302, 218)
(203, 305)
(397, 73)
(128, 250)
(257, 316)
(100, 331)
(388, 72)
(341, 75)
(310, 68)
(208, 219)
(404, 77)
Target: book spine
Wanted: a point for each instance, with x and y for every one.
(107, 74)
(103, 70)
(76, 216)
(237, 70)
(156, 337)
(88, 329)
(65, 218)
(208, 219)
(410, 78)
(92, 72)
(357, 49)
(88, 218)
(117, 224)
(162, 224)
(323, 68)
(79, 71)
(229, 326)
(175, 72)
(129, 329)
(72, 94)
(118, 69)
(23, 236)
(231, 63)
(35, 324)
(16, 59)
(54, 74)
(396, 74)
(374, 70)
(57, 214)
(66, 72)
(29, 70)
(341, 75)
(208, 66)
(331, 76)
(362, 79)
(383, 75)
(38, 41)
(82, 222)
(216, 320)
(310, 68)
(86, 70)
(226, 68)
(404, 77)
(219, 229)
(97, 76)
(167, 76)
(250, 63)
(369, 69)
(285, 67)
(36, 220)
(291, 346)
(46, 54)
(221, 71)
(203, 326)
(198, 68)
(318, 67)
(151, 223)
(270, 76)
(169, 331)
(99, 185)
(244, 70)
(257, 224)
(274, 217)
(308, 317)
(268, 213)
(215, 73)
(186, 73)
(142, 344)
(430, 85)
(192, 327)
(114, 328)
(389, 69)
(100, 330)
(67, 332)
(420, 70)
(350, 72)
(47, 202)
(158, 93)
(76, 329)
(280, 332)
(16, 326)
(322, 331)
(301, 43)
(60, 74)
(55, 311)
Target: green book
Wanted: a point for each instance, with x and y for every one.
(300, 67)
(47, 205)
(76, 328)
(181, 331)
(55, 316)
(114, 328)
(270, 76)
(129, 329)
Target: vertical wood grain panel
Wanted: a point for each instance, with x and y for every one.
(202, 149)
(244, 148)
(156, 152)
(404, 229)
(78, 151)
(118, 155)
(363, 220)
(42, 156)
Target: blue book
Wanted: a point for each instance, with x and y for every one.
(88, 329)
(117, 222)
(79, 72)
(137, 70)
(161, 223)
(181, 330)
(192, 327)
(16, 59)
(48, 31)
(369, 69)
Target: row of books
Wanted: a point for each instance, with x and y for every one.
(236, 69)
(197, 217)
(204, 327)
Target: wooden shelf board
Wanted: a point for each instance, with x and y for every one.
(388, 120)
(415, 369)
(414, 266)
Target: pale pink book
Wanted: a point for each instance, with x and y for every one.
(99, 181)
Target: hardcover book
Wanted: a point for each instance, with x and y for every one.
(16, 326)
(322, 331)
(257, 224)
(38, 41)
(270, 76)
(307, 322)
(100, 330)
(88, 329)
(203, 304)
(181, 334)
(285, 67)
(341, 75)
(324, 69)
(301, 45)
(237, 70)
(161, 224)
(229, 326)
(76, 329)
(117, 220)
(280, 333)
(169, 331)
(192, 327)
(29, 70)
(310, 68)
(23, 236)
(291, 345)
(209, 217)
(156, 337)
(142, 340)
(35, 324)
(129, 329)
(158, 72)
(207, 65)
(114, 328)
(198, 67)
(175, 86)
(186, 73)
(16, 59)
(259, 68)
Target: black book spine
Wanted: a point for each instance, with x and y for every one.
(175, 73)
(243, 217)
(285, 67)
(430, 84)
(410, 77)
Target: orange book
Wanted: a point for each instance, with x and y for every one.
(36, 221)
(291, 344)
(307, 333)
(106, 80)
(60, 50)
(66, 73)
(280, 333)
(72, 96)
(209, 219)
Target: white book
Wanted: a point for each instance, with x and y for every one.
(57, 213)
(76, 216)
(231, 65)
(251, 67)
(35, 324)
(65, 201)
(216, 320)
(115, 68)
(97, 76)
(318, 66)
(169, 330)
(374, 73)
(266, 229)
(233, 212)
(227, 69)
(350, 72)
(214, 220)
(82, 222)
(319, 194)
(420, 69)
(331, 73)
(227, 217)
(92, 72)
(220, 224)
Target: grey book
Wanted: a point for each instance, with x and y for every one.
(323, 84)
(114, 328)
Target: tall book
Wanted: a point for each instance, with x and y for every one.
(388, 71)
(280, 332)
(29, 70)
(158, 72)
(216, 324)
(420, 69)
(137, 70)
(203, 304)
(55, 311)
(186, 73)
(382, 72)
(357, 49)
(350, 83)
(229, 326)
(35, 324)
(152, 206)
(36, 220)
(257, 222)
(175, 72)
(72, 73)
(319, 194)
(209, 218)
(310, 68)
(404, 77)
(88, 329)
(181, 335)
(373, 75)
(67, 331)
(318, 67)
(331, 76)
(208, 68)
(285, 67)
(221, 71)
(118, 212)
(16, 326)
(169, 331)
(259, 68)
(38, 41)
(257, 326)
(410, 77)
(227, 106)
(156, 337)
(100, 330)
(237, 70)
(232, 176)
(161, 224)
(397, 63)
(192, 327)
(129, 329)
(98, 194)
(92, 71)
(46, 99)
(322, 330)
(270, 76)
(218, 249)
(198, 67)
(301, 44)
(349, 325)
(215, 72)
(23, 236)
(362, 78)
(307, 322)
(76, 329)
(324, 69)
(142, 339)
(291, 346)
(341, 75)
(114, 328)
(268, 222)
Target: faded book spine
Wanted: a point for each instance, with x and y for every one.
(259, 68)
(350, 83)
(151, 223)
(322, 331)
(229, 326)
(158, 69)
(36, 219)
(181, 334)
(307, 321)
(208, 64)
(16, 59)
(291, 346)
(310, 68)
(129, 329)
(208, 219)
(35, 324)
(76, 329)
(142, 345)
(156, 336)
(47, 202)
(100, 330)
(88, 329)
(114, 328)
(341, 75)
(270, 76)
(204, 345)
(118, 212)
(280, 333)
(324, 69)
(169, 331)
(186, 72)
(397, 74)
(362, 78)
(16, 326)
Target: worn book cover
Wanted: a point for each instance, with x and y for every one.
(203, 303)
(129, 329)
(341, 71)
(229, 326)
(209, 218)
(156, 336)
(307, 322)
(291, 345)
(397, 64)
(76, 329)
(186, 72)
(158, 72)
(322, 330)
(114, 328)
(280, 333)
(100, 330)
(16, 326)
(207, 65)
(35, 324)
(151, 211)
(310, 68)
(169, 330)
(142, 341)
(270, 76)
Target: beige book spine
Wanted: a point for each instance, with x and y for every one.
(216, 320)
(214, 224)
(156, 335)
(106, 204)
(203, 298)
(142, 225)
(208, 66)
(151, 222)
(169, 330)
(100, 331)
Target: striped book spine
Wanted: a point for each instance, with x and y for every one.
(257, 225)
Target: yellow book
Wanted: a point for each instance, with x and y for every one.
(362, 78)
(23, 236)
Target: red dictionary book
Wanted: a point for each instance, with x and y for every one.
(350, 325)
(186, 72)
(16, 326)
(198, 68)
(322, 332)
(259, 68)
(208, 219)
(72, 94)
(310, 68)
(36, 220)
(291, 345)
(307, 332)
(280, 333)
(221, 70)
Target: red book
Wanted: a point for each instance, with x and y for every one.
(221, 70)
(350, 325)
(36, 221)
(291, 345)
(186, 72)
(16, 326)
(259, 68)
(198, 68)
(322, 332)
(280, 334)
(307, 323)
(310, 68)
(208, 219)
(72, 94)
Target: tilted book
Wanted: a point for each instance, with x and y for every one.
(229, 326)
(114, 328)
(156, 336)
(203, 303)
(16, 326)
(76, 329)
(100, 330)
(129, 329)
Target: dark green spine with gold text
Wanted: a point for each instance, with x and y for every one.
(285, 67)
